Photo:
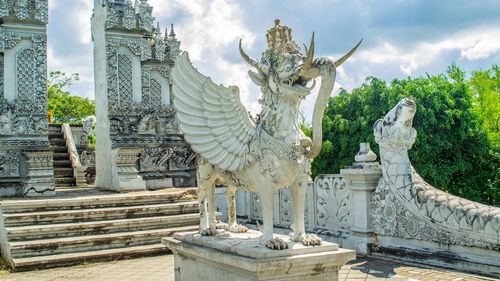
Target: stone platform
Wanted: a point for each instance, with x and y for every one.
(229, 256)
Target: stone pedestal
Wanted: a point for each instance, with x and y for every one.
(39, 179)
(363, 177)
(229, 256)
(128, 177)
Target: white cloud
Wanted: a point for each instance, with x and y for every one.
(473, 44)
(83, 18)
(213, 25)
(211, 28)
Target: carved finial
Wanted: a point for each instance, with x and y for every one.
(172, 32)
(365, 153)
(158, 32)
(136, 6)
(166, 34)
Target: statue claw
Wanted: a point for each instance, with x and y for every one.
(307, 239)
(237, 228)
(209, 231)
(276, 244)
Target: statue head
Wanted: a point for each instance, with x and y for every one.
(282, 67)
(396, 130)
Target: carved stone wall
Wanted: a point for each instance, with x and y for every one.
(23, 96)
(139, 59)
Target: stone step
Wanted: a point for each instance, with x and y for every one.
(58, 149)
(54, 130)
(55, 135)
(62, 164)
(62, 172)
(96, 201)
(57, 142)
(64, 181)
(33, 232)
(61, 156)
(23, 249)
(81, 215)
(21, 264)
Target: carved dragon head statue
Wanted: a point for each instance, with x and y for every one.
(284, 71)
(395, 131)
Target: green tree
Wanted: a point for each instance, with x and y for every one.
(485, 87)
(67, 108)
(451, 151)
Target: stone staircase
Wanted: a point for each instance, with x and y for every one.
(63, 171)
(54, 232)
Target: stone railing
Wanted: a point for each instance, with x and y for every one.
(78, 168)
(327, 208)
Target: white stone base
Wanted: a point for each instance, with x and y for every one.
(229, 256)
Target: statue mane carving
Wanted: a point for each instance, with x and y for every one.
(262, 155)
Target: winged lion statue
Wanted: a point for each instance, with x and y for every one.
(258, 155)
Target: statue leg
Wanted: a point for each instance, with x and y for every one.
(232, 224)
(206, 183)
(267, 201)
(298, 192)
(211, 207)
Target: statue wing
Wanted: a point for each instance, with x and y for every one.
(211, 117)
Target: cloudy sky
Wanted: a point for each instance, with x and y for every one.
(401, 37)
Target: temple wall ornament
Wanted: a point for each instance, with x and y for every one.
(23, 99)
(137, 66)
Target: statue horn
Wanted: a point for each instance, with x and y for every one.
(248, 59)
(310, 56)
(346, 56)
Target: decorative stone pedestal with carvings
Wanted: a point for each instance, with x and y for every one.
(230, 256)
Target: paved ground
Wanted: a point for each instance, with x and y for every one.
(162, 268)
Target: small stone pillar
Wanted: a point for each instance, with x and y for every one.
(363, 176)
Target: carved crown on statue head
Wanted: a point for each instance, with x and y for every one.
(279, 39)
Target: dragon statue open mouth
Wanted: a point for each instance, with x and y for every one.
(259, 155)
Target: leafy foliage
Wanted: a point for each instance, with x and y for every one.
(67, 108)
(485, 87)
(451, 152)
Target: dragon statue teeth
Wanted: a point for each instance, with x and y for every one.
(259, 155)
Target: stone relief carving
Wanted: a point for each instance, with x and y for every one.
(123, 112)
(147, 125)
(183, 158)
(260, 156)
(406, 206)
(9, 163)
(332, 202)
(125, 95)
(25, 9)
(155, 159)
(87, 158)
(26, 115)
(129, 16)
